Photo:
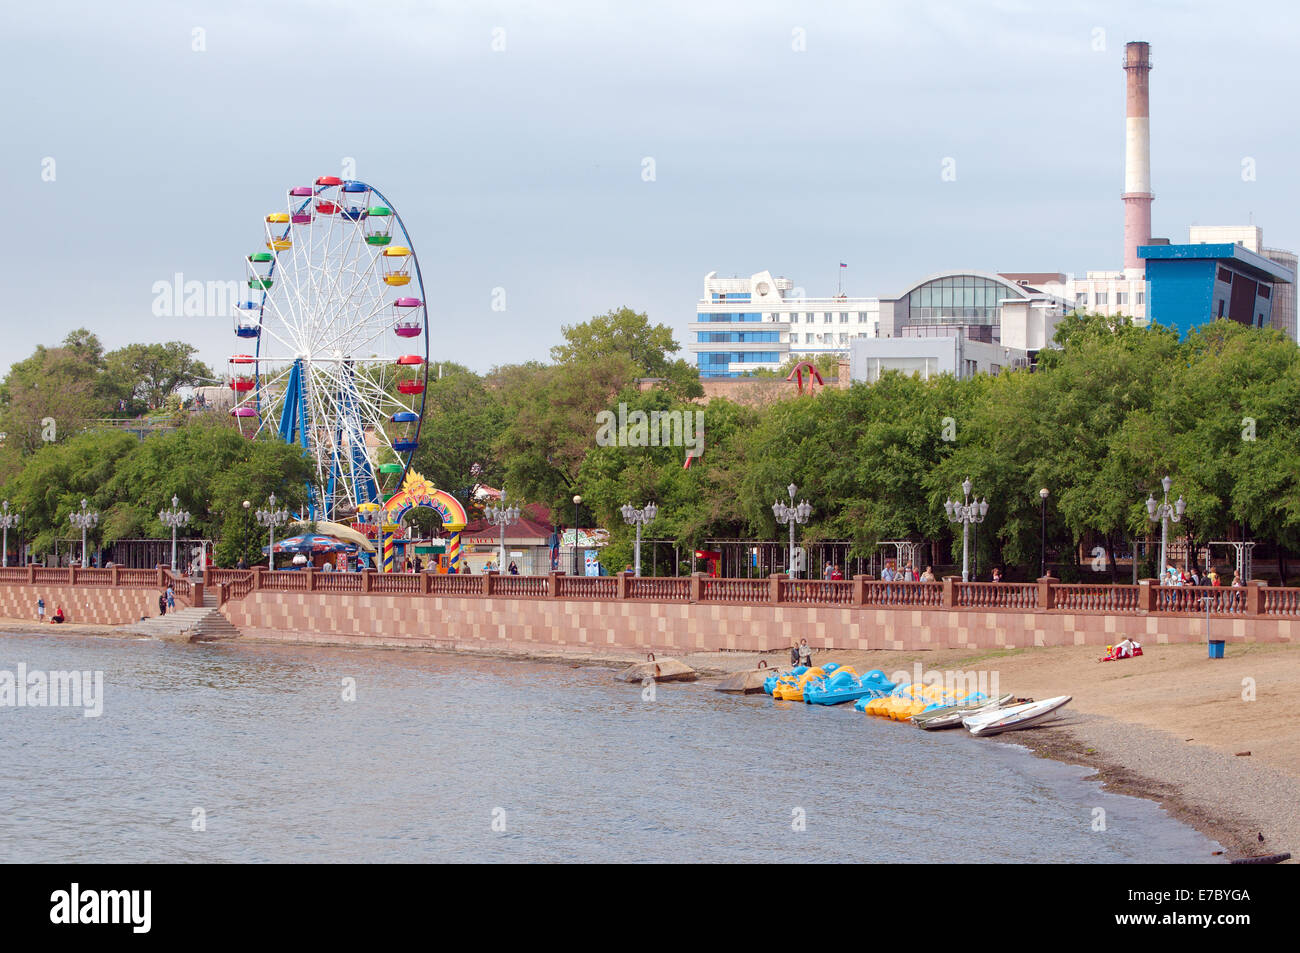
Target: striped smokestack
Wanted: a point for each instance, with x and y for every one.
(1137, 154)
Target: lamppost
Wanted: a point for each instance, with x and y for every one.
(502, 516)
(175, 518)
(634, 517)
(1042, 539)
(791, 514)
(967, 512)
(8, 520)
(271, 517)
(84, 520)
(577, 501)
(1164, 513)
(243, 550)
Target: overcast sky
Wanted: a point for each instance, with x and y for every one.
(784, 136)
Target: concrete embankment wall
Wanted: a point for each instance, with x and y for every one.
(99, 605)
(549, 625)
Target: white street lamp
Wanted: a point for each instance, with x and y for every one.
(501, 516)
(271, 517)
(967, 512)
(84, 520)
(791, 514)
(1165, 514)
(634, 517)
(175, 518)
(7, 521)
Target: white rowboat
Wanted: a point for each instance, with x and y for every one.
(1015, 717)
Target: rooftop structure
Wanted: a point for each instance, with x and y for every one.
(1196, 283)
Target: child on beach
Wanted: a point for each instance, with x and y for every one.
(58, 614)
(40, 609)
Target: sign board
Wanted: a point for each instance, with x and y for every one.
(800, 559)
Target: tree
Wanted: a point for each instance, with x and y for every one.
(462, 419)
(148, 374)
(620, 333)
(51, 394)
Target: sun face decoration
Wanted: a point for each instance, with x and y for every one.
(418, 490)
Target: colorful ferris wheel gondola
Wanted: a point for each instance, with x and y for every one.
(406, 428)
(328, 372)
(408, 317)
(379, 225)
(396, 263)
(355, 196)
(411, 374)
(248, 319)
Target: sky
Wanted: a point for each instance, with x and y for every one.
(560, 159)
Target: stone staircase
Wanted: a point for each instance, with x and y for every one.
(203, 623)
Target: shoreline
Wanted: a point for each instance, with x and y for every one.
(1159, 758)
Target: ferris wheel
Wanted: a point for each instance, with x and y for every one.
(337, 325)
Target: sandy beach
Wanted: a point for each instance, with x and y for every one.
(1172, 726)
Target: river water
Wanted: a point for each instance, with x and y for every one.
(224, 753)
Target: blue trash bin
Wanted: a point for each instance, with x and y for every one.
(1216, 648)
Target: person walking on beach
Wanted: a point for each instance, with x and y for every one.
(171, 599)
(794, 653)
(805, 653)
(162, 603)
(40, 609)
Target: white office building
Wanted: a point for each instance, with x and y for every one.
(747, 324)
(962, 323)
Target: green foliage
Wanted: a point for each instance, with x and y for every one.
(147, 375)
(208, 466)
(622, 333)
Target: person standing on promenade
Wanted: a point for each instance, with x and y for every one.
(928, 575)
(242, 564)
(514, 570)
(805, 653)
(997, 574)
(40, 609)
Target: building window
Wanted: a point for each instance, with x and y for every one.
(1225, 276)
(794, 317)
(1141, 296)
(844, 317)
(1103, 298)
(826, 317)
(1081, 299)
(1220, 307)
(1121, 297)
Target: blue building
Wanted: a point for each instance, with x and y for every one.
(1190, 285)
